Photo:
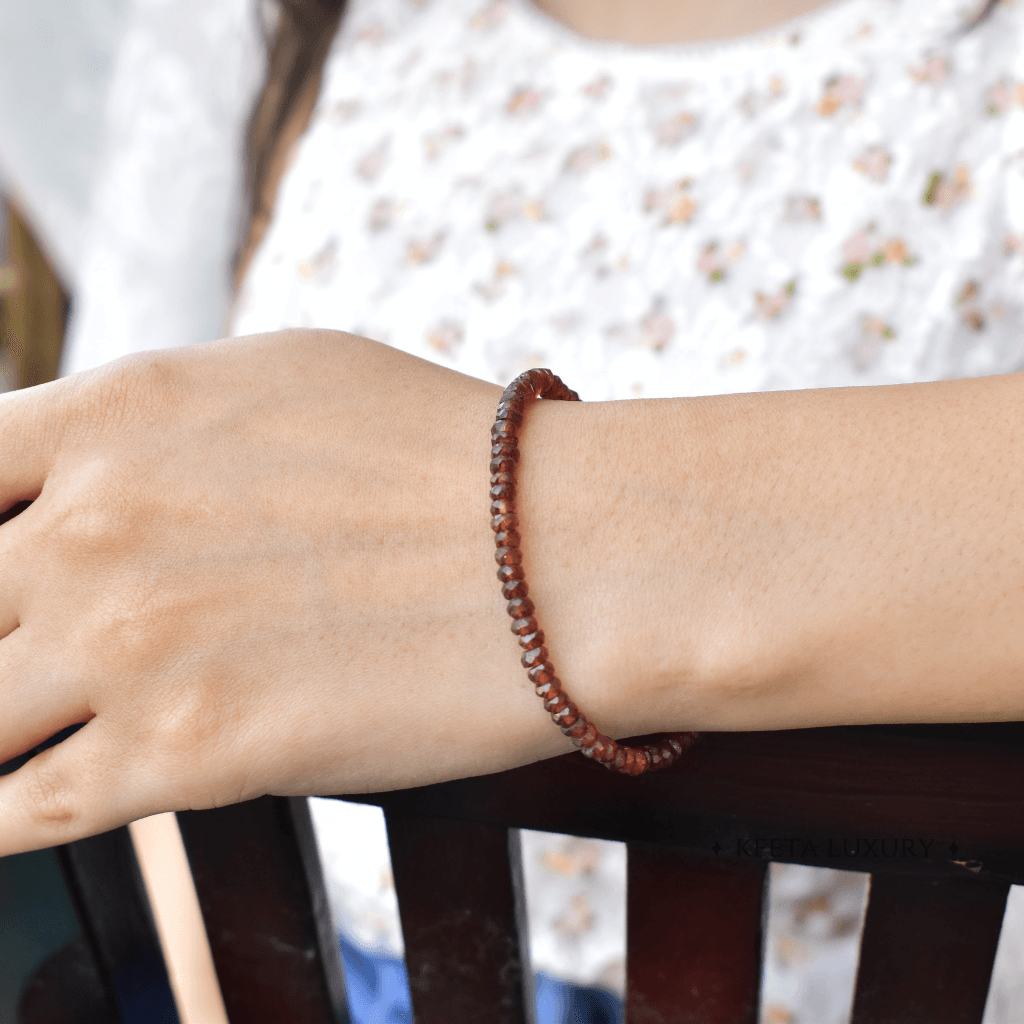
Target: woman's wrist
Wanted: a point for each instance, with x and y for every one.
(605, 551)
(782, 559)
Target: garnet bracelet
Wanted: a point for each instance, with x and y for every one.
(505, 523)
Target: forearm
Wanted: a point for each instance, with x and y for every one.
(783, 559)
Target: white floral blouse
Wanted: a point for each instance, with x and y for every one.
(837, 201)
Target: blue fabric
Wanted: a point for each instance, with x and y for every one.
(378, 993)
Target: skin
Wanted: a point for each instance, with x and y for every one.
(264, 566)
(654, 22)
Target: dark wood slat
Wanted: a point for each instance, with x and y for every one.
(261, 891)
(458, 891)
(694, 938)
(105, 883)
(66, 988)
(927, 950)
(808, 789)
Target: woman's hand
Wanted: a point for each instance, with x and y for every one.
(263, 566)
(256, 566)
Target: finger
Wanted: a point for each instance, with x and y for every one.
(35, 702)
(13, 547)
(29, 427)
(67, 792)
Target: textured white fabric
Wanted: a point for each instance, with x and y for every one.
(837, 201)
(834, 202)
(163, 217)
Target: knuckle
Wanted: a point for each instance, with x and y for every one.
(96, 517)
(110, 397)
(51, 799)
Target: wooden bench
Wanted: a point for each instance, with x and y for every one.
(934, 813)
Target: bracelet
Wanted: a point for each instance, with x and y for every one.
(505, 522)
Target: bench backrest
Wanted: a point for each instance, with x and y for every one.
(935, 814)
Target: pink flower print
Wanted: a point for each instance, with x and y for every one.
(754, 101)
(319, 268)
(505, 205)
(598, 88)
(802, 208)
(874, 331)
(573, 858)
(584, 159)
(578, 919)
(495, 288)
(490, 16)
(370, 164)
(874, 163)
(1013, 244)
(533, 209)
(670, 131)
(714, 260)
(772, 306)
(840, 91)
(344, 110)
(419, 252)
(656, 330)
(523, 101)
(946, 190)
(675, 201)
(446, 337)
(1003, 95)
(436, 143)
(382, 214)
(934, 69)
(971, 312)
(862, 249)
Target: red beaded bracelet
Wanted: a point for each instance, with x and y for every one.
(505, 523)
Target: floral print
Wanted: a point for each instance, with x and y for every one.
(482, 187)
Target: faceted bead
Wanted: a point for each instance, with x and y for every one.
(510, 572)
(503, 464)
(556, 702)
(523, 626)
(548, 689)
(542, 673)
(534, 656)
(502, 506)
(520, 608)
(505, 521)
(507, 491)
(511, 411)
(508, 556)
(578, 728)
(532, 640)
(506, 449)
(539, 379)
(568, 716)
(514, 588)
(588, 737)
(502, 430)
(507, 539)
(502, 478)
(605, 750)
